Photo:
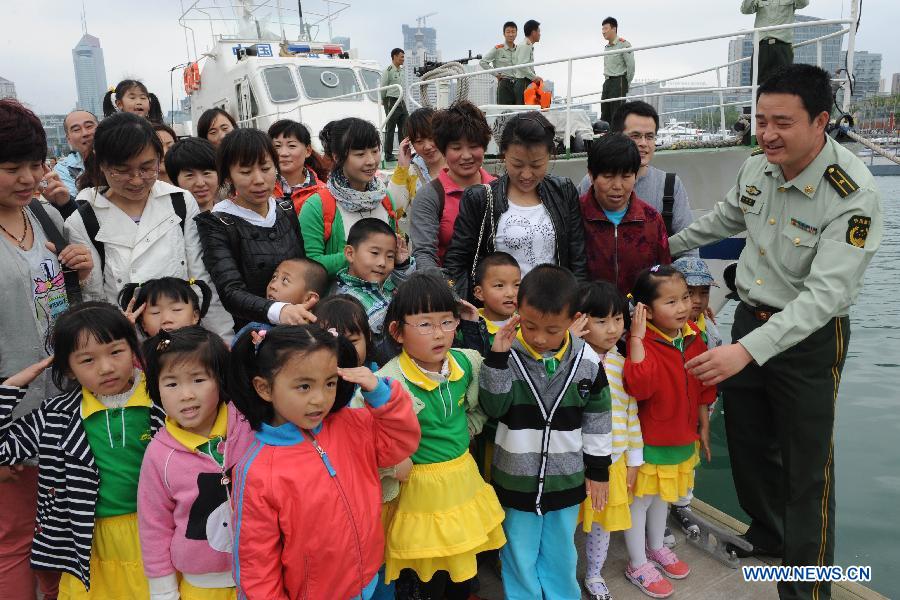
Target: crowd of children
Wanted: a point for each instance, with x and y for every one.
(369, 433)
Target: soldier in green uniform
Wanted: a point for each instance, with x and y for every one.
(504, 55)
(618, 69)
(775, 47)
(813, 220)
(397, 121)
(524, 55)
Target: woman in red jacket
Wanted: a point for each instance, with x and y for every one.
(622, 233)
(301, 171)
(661, 340)
(307, 496)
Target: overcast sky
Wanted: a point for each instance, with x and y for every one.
(142, 39)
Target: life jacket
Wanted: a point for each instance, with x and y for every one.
(329, 209)
(537, 95)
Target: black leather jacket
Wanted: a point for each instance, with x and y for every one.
(241, 258)
(558, 195)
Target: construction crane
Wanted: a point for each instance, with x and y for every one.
(421, 20)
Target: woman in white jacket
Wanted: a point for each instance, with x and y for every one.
(138, 228)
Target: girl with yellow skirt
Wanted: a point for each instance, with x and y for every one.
(445, 514)
(673, 413)
(604, 308)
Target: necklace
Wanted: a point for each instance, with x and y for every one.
(20, 242)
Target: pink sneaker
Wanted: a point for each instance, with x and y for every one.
(649, 580)
(666, 560)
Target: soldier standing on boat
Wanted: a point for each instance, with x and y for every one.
(813, 220)
(525, 55)
(618, 69)
(775, 47)
(397, 121)
(504, 55)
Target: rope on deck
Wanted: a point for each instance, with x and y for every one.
(872, 146)
(450, 68)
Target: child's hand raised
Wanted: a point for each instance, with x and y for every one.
(639, 322)
(362, 376)
(402, 250)
(503, 339)
(467, 311)
(29, 374)
(132, 313)
(579, 328)
(598, 492)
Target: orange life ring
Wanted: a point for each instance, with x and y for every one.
(191, 78)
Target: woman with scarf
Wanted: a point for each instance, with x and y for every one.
(353, 192)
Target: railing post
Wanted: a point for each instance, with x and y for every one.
(721, 101)
(754, 80)
(819, 53)
(568, 140)
(851, 47)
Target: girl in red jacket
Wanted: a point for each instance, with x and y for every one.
(307, 497)
(662, 339)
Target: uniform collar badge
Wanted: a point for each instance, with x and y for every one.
(809, 189)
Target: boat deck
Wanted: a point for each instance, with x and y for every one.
(709, 579)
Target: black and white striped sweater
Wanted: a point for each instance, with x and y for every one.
(68, 479)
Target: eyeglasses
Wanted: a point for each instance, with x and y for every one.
(636, 136)
(449, 326)
(126, 174)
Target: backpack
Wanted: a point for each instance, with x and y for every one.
(92, 226)
(329, 210)
(53, 235)
(669, 202)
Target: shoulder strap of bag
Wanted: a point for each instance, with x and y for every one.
(92, 226)
(329, 208)
(488, 213)
(439, 188)
(55, 236)
(668, 202)
(179, 206)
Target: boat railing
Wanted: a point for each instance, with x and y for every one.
(848, 28)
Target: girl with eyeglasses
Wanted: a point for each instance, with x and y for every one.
(137, 227)
(445, 513)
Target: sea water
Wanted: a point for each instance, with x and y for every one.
(867, 431)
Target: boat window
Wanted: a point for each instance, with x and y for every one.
(280, 84)
(371, 79)
(328, 82)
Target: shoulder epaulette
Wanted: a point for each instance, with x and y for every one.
(757, 152)
(498, 46)
(840, 181)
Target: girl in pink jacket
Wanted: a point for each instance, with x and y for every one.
(307, 495)
(184, 513)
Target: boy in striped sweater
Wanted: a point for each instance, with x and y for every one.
(550, 394)
(603, 312)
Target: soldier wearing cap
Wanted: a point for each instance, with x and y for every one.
(618, 69)
(504, 55)
(813, 220)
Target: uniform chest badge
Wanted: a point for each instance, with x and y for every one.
(801, 225)
(752, 190)
(858, 230)
(747, 200)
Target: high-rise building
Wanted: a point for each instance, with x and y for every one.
(54, 127)
(866, 73)
(90, 74)
(7, 88)
(895, 84)
(482, 87)
(343, 41)
(742, 47)
(429, 38)
(419, 45)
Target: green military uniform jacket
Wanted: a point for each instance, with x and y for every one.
(500, 55)
(391, 76)
(524, 55)
(809, 241)
(617, 65)
(774, 12)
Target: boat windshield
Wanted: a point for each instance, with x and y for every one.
(280, 84)
(328, 82)
(371, 79)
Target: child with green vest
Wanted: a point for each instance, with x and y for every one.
(550, 393)
(445, 513)
(353, 192)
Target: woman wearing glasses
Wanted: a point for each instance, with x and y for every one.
(137, 227)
